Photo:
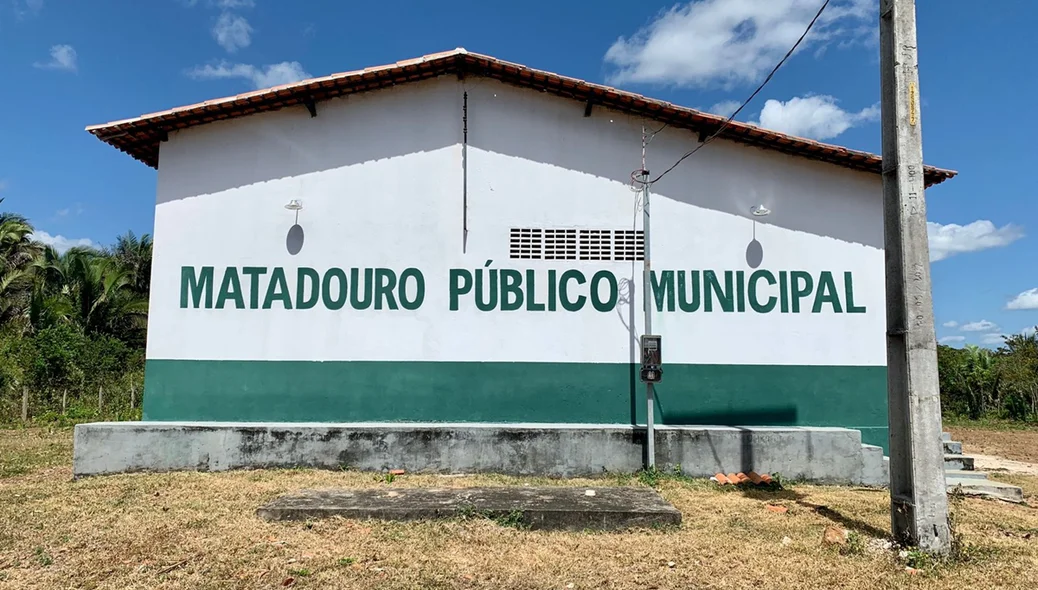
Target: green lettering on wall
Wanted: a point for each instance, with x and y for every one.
(663, 289)
(254, 273)
(755, 303)
(302, 301)
(277, 289)
(614, 294)
(567, 276)
(511, 289)
(326, 288)
(683, 303)
(826, 293)
(418, 279)
(531, 292)
(230, 288)
(848, 285)
(740, 291)
(783, 291)
(490, 303)
(712, 287)
(460, 284)
(803, 284)
(194, 286)
(385, 282)
(552, 291)
(360, 298)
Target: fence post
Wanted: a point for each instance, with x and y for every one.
(133, 396)
(64, 398)
(100, 399)
(25, 404)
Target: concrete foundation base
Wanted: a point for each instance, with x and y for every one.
(830, 455)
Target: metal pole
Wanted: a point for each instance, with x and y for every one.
(650, 394)
(918, 496)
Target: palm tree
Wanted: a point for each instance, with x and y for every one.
(17, 251)
(107, 302)
(134, 255)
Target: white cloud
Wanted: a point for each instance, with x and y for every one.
(948, 240)
(226, 4)
(725, 108)
(63, 212)
(993, 339)
(952, 340)
(285, 72)
(951, 324)
(232, 32)
(981, 326)
(23, 8)
(813, 116)
(59, 242)
(1026, 300)
(1029, 331)
(727, 42)
(62, 57)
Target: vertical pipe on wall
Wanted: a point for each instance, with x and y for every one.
(464, 171)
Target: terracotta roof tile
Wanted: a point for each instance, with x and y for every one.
(140, 136)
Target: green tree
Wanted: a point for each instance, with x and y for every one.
(1020, 368)
(17, 252)
(133, 255)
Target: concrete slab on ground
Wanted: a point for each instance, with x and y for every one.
(551, 508)
(985, 488)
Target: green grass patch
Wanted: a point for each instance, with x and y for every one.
(988, 424)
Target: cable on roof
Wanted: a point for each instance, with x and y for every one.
(747, 101)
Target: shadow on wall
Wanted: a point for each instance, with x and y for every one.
(804, 195)
(774, 416)
(288, 143)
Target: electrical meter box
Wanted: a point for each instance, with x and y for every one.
(652, 359)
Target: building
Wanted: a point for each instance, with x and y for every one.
(457, 239)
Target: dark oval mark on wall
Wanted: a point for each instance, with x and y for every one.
(294, 241)
(754, 254)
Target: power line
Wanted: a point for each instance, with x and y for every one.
(751, 97)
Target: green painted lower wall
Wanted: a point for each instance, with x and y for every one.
(362, 391)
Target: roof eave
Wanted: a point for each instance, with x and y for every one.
(140, 137)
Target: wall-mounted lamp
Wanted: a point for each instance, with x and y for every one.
(755, 251)
(294, 205)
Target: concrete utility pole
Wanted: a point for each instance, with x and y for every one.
(650, 393)
(918, 497)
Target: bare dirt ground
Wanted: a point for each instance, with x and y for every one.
(199, 530)
(1012, 450)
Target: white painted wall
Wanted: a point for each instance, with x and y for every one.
(380, 175)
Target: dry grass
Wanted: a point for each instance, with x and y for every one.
(1018, 445)
(195, 530)
(24, 451)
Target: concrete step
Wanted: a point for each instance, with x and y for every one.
(945, 436)
(986, 489)
(961, 462)
(953, 447)
(964, 474)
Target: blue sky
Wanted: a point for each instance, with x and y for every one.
(66, 64)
